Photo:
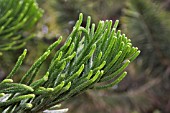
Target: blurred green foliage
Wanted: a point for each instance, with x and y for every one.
(16, 17)
(151, 33)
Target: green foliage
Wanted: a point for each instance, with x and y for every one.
(91, 58)
(149, 25)
(16, 16)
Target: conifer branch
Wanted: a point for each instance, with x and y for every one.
(17, 16)
(89, 57)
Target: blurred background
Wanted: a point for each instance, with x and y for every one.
(146, 88)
